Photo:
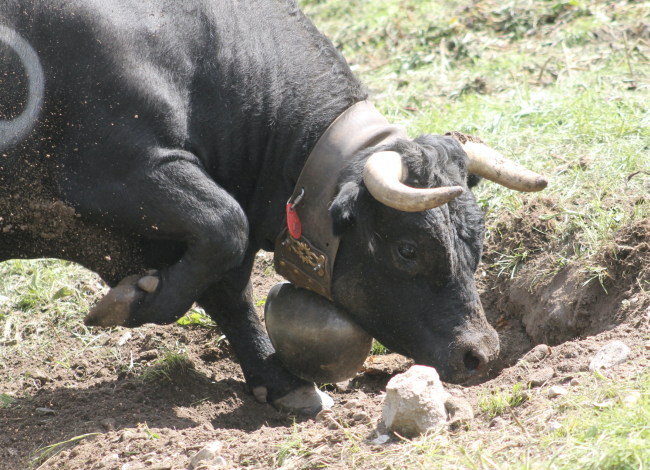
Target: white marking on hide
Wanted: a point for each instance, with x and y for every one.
(12, 132)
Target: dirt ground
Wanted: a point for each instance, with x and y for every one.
(150, 417)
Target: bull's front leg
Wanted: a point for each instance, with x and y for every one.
(233, 308)
(167, 195)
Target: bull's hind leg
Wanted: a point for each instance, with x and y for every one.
(168, 197)
(230, 303)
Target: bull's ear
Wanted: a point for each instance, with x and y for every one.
(343, 207)
(473, 180)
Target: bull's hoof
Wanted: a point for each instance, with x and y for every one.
(307, 400)
(115, 307)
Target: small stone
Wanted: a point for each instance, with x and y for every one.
(208, 454)
(39, 375)
(261, 394)
(344, 386)
(415, 402)
(525, 394)
(383, 439)
(148, 355)
(108, 460)
(647, 345)
(148, 283)
(108, 424)
(556, 391)
(459, 410)
(46, 411)
(538, 353)
(124, 338)
(219, 461)
(553, 426)
(574, 382)
(352, 404)
(498, 423)
(542, 376)
(332, 425)
(610, 355)
(361, 416)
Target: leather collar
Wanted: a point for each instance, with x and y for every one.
(308, 261)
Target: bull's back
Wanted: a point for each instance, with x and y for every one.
(224, 79)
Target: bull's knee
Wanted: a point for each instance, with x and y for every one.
(222, 245)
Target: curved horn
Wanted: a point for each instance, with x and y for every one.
(383, 175)
(490, 164)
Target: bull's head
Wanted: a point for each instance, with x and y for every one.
(411, 240)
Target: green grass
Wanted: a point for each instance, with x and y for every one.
(613, 435)
(496, 402)
(545, 100)
(378, 349)
(47, 300)
(293, 447)
(171, 366)
(196, 317)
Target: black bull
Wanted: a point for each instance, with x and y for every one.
(169, 135)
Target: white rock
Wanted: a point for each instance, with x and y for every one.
(207, 454)
(3, 300)
(610, 355)
(383, 439)
(556, 391)
(415, 402)
(124, 338)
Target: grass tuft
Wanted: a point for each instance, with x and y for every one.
(495, 402)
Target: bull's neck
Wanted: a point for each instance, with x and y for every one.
(309, 262)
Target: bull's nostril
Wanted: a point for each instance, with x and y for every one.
(472, 363)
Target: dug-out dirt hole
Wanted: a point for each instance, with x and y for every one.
(554, 296)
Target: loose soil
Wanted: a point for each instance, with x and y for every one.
(157, 418)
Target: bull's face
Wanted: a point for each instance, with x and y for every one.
(408, 277)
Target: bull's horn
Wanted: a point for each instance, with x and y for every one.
(490, 164)
(383, 175)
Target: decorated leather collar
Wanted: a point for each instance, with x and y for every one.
(306, 248)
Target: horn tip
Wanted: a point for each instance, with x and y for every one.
(540, 183)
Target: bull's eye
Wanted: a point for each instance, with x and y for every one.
(406, 251)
